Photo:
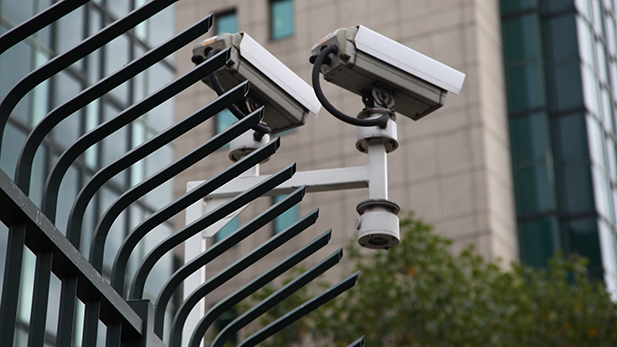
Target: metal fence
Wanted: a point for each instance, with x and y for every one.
(131, 320)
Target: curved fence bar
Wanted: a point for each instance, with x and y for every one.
(38, 22)
(219, 248)
(86, 47)
(232, 270)
(50, 195)
(358, 343)
(278, 296)
(97, 248)
(300, 311)
(129, 244)
(78, 210)
(136, 322)
(35, 138)
(256, 284)
(139, 281)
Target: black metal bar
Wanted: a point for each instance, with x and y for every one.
(38, 22)
(91, 322)
(64, 60)
(40, 295)
(139, 281)
(219, 248)
(12, 275)
(358, 343)
(52, 186)
(102, 176)
(274, 299)
(175, 337)
(139, 232)
(254, 285)
(66, 314)
(41, 233)
(35, 138)
(300, 311)
(97, 248)
(114, 335)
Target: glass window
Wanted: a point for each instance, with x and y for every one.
(71, 29)
(40, 99)
(285, 219)
(602, 194)
(561, 40)
(557, 5)
(601, 62)
(15, 65)
(576, 189)
(538, 240)
(586, 41)
(525, 87)
(597, 17)
(509, 6)
(17, 11)
(12, 141)
(156, 161)
(118, 8)
(596, 141)
(69, 130)
(224, 120)
(227, 229)
(116, 56)
(161, 27)
(570, 137)
(530, 137)
(565, 87)
(612, 158)
(521, 37)
(591, 92)
(281, 19)
(115, 145)
(610, 34)
(534, 190)
(583, 239)
(226, 23)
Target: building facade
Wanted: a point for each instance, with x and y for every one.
(521, 164)
(561, 78)
(37, 50)
(452, 168)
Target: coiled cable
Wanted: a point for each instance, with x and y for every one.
(321, 57)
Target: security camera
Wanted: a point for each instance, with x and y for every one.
(288, 99)
(363, 59)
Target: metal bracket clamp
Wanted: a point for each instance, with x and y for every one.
(378, 224)
(245, 144)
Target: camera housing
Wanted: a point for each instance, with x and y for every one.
(287, 97)
(366, 58)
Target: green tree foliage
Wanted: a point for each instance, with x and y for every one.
(420, 294)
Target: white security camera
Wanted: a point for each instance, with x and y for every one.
(365, 58)
(288, 99)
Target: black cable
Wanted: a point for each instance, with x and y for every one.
(260, 129)
(323, 55)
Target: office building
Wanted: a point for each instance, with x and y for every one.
(37, 50)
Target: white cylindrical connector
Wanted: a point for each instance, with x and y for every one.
(378, 224)
(376, 135)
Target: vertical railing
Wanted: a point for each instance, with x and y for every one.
(131, 320)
